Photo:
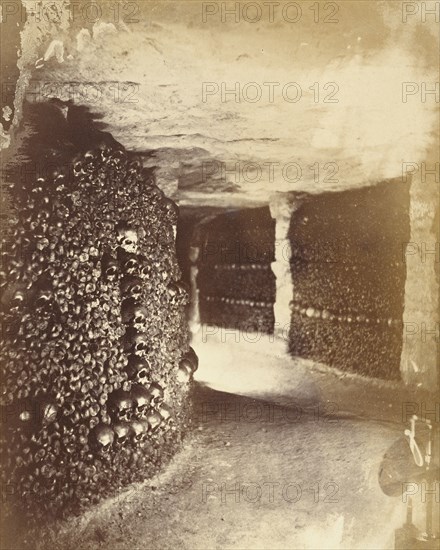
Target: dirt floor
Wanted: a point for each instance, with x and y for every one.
(272, 472)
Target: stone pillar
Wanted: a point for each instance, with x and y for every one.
(420, 351)
(282, 206)
(194, 306)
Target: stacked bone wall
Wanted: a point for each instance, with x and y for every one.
(95, 357)
(237, 285)
(348, 272)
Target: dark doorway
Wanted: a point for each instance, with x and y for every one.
(235, 282)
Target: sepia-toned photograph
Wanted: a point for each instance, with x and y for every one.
(220, 264)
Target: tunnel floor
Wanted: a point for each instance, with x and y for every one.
(308, 483)
(254, 474)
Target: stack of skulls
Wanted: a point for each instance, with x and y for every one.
(237, 285)
(348, 273)
(95, 356)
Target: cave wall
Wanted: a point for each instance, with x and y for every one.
(348, 274)
(115, 67)
(420, 361)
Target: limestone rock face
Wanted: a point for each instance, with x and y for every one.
(217, 104)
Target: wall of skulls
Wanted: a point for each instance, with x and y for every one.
(95, 357)
(236, 283)
(348, 273)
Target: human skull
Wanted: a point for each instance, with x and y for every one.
(17, 300)
(120, 405)
(134, 167)
(193, 358)
(127, 310)
(141, 343)
(136, 342)
(42, 299)
(122, 431)
(142, 376)
(145, 271)
(131, 287)
(41, 230)
(140, 318)
(129, 262)
(127, 238)
(111, 268)
(183, 372)
(78, 168)
(138, 369)
(167, 420)
(48, 411)
(101, 438)
(157, 393)
(135, 314)
(186, 363)
(154, 419)
(137, 430)
(173, 293)
(90, 158)
(146, 427)
(141, 400)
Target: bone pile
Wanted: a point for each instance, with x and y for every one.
(95, 358)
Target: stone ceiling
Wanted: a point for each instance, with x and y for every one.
(144, 82)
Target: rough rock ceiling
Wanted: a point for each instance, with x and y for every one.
(150, 75)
